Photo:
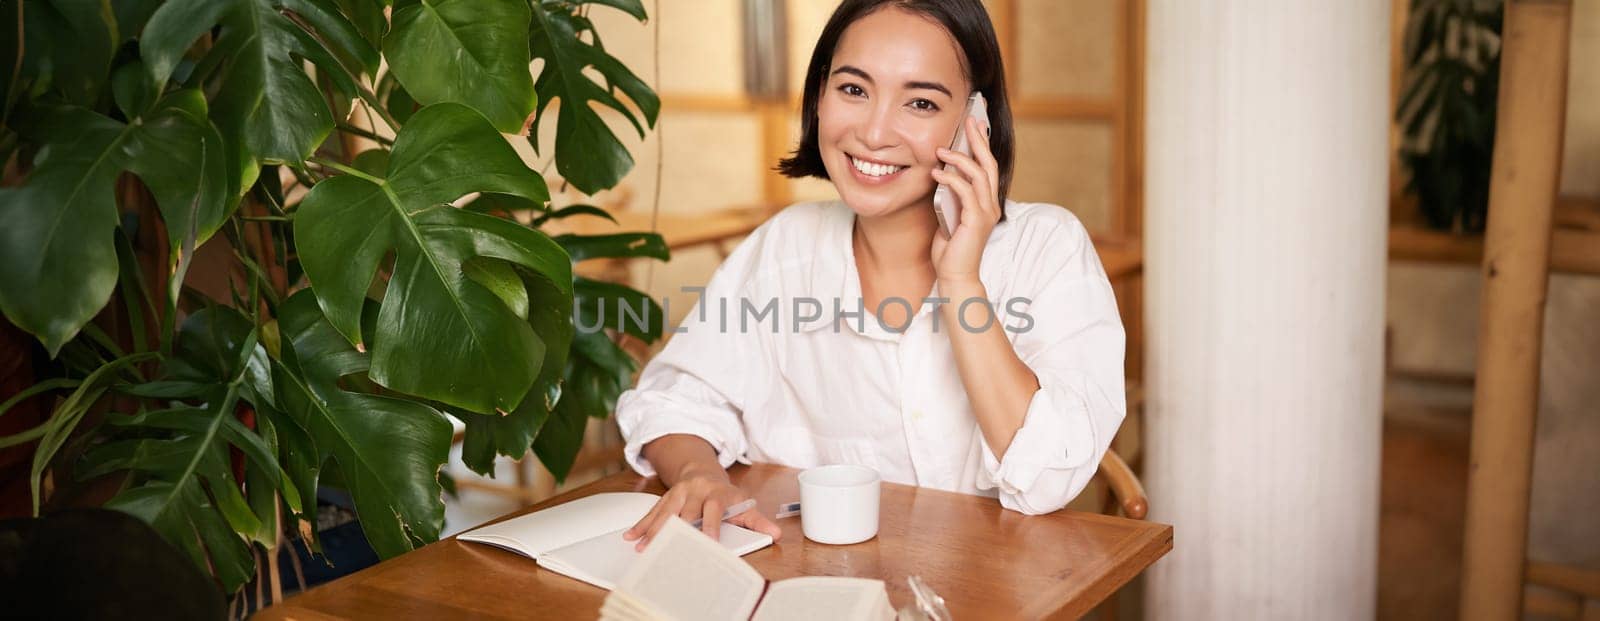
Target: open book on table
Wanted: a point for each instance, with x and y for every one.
(583, 538)
(684, 575)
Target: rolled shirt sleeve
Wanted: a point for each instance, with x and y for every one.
(671, 400)
(697, 384)
(1075, 347)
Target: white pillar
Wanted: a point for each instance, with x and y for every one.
(1265, 249)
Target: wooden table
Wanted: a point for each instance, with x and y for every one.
(985, 561)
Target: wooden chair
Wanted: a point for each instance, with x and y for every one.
(1121, 489)
(1125, 492)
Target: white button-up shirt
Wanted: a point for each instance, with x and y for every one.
(779, 363)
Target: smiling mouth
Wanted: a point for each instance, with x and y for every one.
(873, 170)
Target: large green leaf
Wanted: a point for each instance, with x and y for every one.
(67, 47)
(368, 17)
(266, 104)
(131, 16)
(57, 242)
(617, 307)
(473, 52)
(597, 369)
(389, 449)
(439, 334)
(588, 155)
(184, 484)
(208, 350)
(513, 433)
(559, 440)
(301, 461)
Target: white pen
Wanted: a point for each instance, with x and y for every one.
(736, 509)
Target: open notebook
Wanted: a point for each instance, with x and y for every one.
(583, 538)
(684, 575)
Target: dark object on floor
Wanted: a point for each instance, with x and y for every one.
(99, 564)
(345, 549)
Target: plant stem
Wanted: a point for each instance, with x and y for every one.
(372, 102)
(16, 69)
(49, 384)
(303, 177)
(351, 129)
(267, 218)
(332, 165)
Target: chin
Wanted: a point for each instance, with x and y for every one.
(867, 205)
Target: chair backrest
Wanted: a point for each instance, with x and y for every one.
(1125, 486)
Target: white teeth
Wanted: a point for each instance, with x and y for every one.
(874, 170)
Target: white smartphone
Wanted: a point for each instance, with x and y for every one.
(945, 203)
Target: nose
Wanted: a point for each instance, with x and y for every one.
(879, 131)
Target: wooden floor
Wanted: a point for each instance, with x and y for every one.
(1421, 518)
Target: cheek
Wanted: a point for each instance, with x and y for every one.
(831, 124)
(925, 143)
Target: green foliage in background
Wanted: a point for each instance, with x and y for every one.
(366, 304)
(1447, 108)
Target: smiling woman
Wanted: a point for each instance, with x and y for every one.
(988, 361)
(952, 52)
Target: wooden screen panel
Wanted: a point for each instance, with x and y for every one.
(1580, 162)
(701, 47)
(806, 19)
(1067, 163)
(1068, 48)
(708, 161)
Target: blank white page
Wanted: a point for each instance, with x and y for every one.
(683, 574)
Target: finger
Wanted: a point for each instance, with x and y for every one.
(970, 208)
(975, 174)
(711, 519)
(982, 152)
(969, 167)
(639, 527)
(692, 503)
(754, 520)
(671, 508)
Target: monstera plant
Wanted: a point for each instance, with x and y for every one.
(370, 293)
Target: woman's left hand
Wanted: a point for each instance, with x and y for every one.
(975, 181)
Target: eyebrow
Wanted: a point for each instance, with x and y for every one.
(932, 86)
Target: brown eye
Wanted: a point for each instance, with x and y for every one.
(923, 104)
(852, 90)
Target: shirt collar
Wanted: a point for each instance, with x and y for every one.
(834, 275)
(833, 264)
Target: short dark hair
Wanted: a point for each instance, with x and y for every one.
(968, 23)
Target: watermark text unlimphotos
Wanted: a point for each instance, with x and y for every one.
(744, 315)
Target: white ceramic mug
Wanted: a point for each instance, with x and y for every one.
(839, 503)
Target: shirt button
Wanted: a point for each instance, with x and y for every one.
(916, 415)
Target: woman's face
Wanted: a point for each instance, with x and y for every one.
(895, 94)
